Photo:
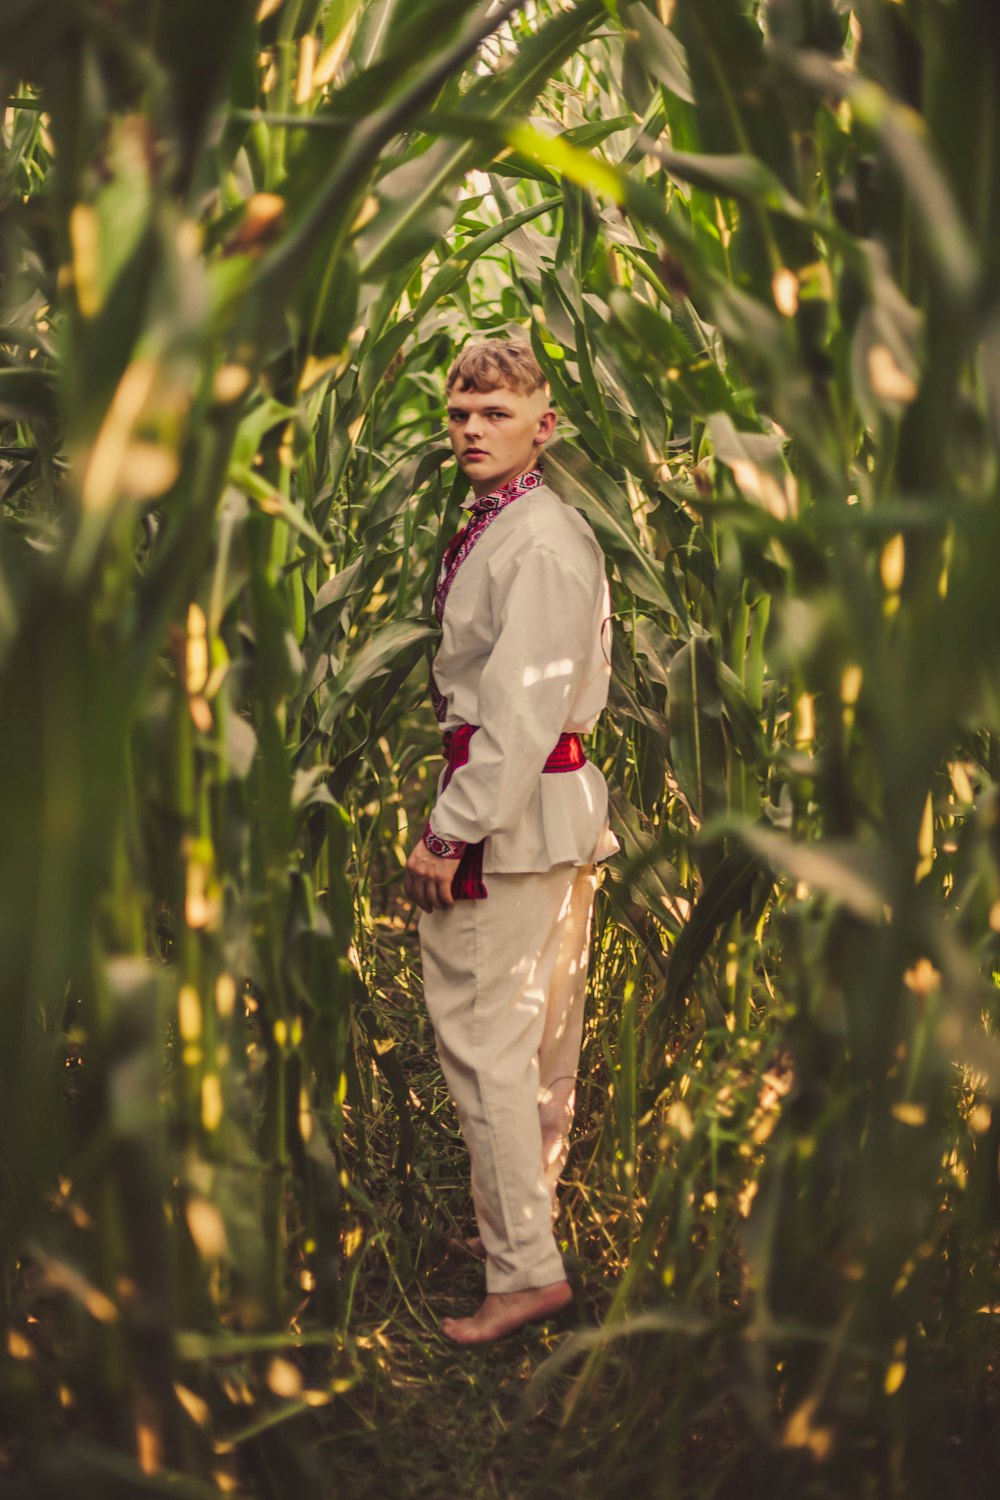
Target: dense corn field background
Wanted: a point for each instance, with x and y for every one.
(756, 246)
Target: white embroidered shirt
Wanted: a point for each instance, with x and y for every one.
(525, 655)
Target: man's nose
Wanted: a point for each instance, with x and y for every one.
(473, 425)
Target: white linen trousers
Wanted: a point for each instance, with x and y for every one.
(504, 983)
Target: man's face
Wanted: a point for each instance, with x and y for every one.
(497, 434)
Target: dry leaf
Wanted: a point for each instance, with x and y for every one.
(284, 1378)
(785, 289)
(206, 1227)
(196, 1408)
(889, 382)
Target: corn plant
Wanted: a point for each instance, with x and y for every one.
(207, 254)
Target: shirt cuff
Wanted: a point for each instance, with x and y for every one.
(443, 848)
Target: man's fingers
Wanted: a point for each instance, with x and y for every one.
(437, 893)
(413, 888)
(431, 892)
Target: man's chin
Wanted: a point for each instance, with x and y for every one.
(480, 472)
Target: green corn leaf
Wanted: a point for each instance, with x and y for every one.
(850, 874)
(27, 395)
(694, 712)
(659, 51)
(726, 892)
(579, 482)
(456, 268)
(378, 655)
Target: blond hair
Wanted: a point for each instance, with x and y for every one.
(489, 364)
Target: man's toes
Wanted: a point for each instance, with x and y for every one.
(456, 1329)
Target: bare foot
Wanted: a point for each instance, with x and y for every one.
(502, 1312)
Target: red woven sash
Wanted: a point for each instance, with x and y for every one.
(568, 755)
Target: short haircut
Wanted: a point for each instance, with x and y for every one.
(488, 364)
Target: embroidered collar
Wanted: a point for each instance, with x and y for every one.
(481, 513)
(505, 493)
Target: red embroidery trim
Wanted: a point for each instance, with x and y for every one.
(468, 884)
(443, 848)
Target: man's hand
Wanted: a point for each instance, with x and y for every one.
(428, 879)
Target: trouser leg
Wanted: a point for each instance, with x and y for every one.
(559, 1052)
(489, 970)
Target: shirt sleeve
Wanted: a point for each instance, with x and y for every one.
(545, 609)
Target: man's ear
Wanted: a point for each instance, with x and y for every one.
(546, 426)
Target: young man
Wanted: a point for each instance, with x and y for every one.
(506, 871)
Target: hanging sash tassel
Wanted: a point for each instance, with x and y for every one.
(568, 755)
